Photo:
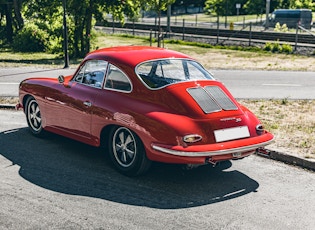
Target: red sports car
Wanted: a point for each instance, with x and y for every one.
(144, 104)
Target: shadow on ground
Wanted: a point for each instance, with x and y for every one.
(69, 167)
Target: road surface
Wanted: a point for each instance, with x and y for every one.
(57, 183)
(242, 84)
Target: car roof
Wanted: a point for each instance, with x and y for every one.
(133, 55)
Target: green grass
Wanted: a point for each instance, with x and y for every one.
(12, 59)
(246, 56)
(201, 17)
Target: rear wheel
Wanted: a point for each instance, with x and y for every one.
(33, 117)
(127, 152)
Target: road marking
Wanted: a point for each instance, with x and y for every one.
(9, 83)
(290, 85)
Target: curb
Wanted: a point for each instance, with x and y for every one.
(271, 154)
(285, 158)
(7, 106)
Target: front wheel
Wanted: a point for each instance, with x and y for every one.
(127, 152)
(33, 117)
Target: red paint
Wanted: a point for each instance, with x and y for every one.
(159, 117)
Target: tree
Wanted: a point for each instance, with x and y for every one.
(47, 14)
(222, 7)
(13, 18)
(158, 6)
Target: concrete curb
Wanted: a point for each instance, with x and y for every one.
(271, 154)
(7, 106)
(286, 158)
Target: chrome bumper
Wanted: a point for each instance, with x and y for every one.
(211, 153)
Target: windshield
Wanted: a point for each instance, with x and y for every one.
(159, 73)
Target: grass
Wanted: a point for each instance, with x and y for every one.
(226, 58)
(291, 121)
(46, 60)
(202, 18)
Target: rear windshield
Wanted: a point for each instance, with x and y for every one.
(159, 73)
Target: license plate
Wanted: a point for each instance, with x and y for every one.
(231, 133)
(237, 155)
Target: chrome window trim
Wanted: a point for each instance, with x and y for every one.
(113, 89)
(187, 59)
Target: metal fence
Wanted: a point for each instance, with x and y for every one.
(246, 34)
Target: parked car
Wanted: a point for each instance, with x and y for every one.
(144, 104)
(292, 18)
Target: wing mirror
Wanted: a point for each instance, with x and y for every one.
(61, 79)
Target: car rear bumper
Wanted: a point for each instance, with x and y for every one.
(217, 149)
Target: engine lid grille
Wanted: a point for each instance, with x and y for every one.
(211, 99)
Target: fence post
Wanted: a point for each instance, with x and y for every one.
(155, 26)
(243, 22)
(183, 29)
(196, 20)
(218, 30)
(151, 37)
(250, 34)
(296, 37)
(113, 24)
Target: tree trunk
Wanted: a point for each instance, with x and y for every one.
(88, 28)
(9, 27)
(76, 37)
(17, 4)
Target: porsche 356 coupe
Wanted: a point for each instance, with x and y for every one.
(144, 104)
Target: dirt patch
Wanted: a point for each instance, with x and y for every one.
(292, 123)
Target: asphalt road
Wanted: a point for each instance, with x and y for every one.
(242, 84)
(57, 183)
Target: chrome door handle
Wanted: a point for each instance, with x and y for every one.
(87, 103)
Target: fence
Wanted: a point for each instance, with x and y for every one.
(247, 34)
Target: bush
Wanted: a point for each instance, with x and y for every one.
(281, 28)
(30, 39)
(268, 46)
(286, 48)
(276, 47)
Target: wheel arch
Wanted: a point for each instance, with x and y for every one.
(25, 98)
(104, 135)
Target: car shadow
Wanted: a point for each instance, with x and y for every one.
(69, 167)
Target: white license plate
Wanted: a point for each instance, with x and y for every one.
(231, 133)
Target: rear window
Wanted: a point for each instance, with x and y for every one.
(160, 73)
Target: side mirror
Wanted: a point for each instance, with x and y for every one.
(61, 79)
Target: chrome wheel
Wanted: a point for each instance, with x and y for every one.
(33, 116)
(127, 152)
(124, 147)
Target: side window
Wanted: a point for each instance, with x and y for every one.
(117, 79)
(92, 73)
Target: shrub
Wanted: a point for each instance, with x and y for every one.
(281, 28)
(287, 48)
(276, 47)
(30, 39)
(268, 46)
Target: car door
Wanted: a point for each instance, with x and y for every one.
(74, 102)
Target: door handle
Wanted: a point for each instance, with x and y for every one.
(87, 103)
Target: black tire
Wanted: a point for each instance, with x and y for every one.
(127, 152)
(33, 117)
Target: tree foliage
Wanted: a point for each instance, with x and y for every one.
(227, 7)
(47, 16)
